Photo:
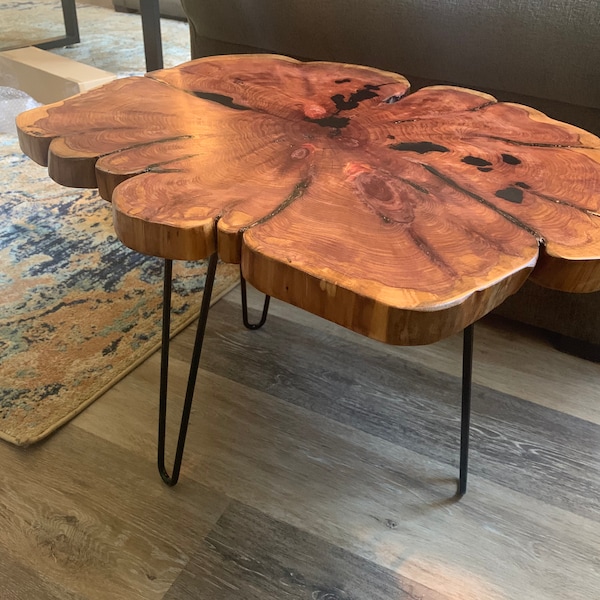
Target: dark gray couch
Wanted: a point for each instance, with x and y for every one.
(544, 53)
(168, 8)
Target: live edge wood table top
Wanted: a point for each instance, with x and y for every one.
(404, 217)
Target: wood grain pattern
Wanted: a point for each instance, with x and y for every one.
(249, 556)
(315, 459)
(408, 404)
(343, 481)
(511, 358)
(402, 217)
(99, 533)
(20, 582)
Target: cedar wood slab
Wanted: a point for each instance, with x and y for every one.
(404, 217)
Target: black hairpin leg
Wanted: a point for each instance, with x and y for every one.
(164, 369)
(265, 311)
(465, 418)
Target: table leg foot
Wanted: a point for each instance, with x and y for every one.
(465, 419)
(265, 311)
(171, 480)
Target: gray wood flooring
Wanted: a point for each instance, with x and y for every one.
(319, 465)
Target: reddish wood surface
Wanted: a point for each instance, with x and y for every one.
(402, 216)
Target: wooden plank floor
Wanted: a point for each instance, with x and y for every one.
(319, 465)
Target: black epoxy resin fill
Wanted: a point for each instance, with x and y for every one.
(509, 159)
(512, 194)
(221, 99)
(367, 92)
(419, 147)
(477, 162)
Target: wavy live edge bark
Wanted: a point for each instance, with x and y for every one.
(404, 217)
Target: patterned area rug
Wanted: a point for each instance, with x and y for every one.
(78, 310)
(110, 41)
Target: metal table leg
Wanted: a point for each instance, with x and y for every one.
(465, 418)
(265, 310)
(150, 12)
(171, 480)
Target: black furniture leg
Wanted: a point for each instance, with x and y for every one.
(150, 12)
(265, 311)
(171, 480)
(71, 36)
(465, 418)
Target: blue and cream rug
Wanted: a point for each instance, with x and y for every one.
(78, 310)
(110, 41)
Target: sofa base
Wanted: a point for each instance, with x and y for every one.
(571, 320)
(575, 347)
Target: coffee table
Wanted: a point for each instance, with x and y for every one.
(403, 217)
(71, 36)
